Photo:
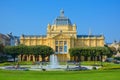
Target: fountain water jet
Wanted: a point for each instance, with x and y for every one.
(54, 62)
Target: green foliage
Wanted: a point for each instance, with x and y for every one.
(94, 68)
(26, 63)
(28, 50)
(110, 68)
(7, 64)
(14, 51)
(117, 58)
(3, 58)
(112, 50)
(89, 51)
(43, 69)
(14, 63)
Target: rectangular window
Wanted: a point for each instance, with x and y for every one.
(56, 49)
(65, 48)
(61, 48)
(65, 42)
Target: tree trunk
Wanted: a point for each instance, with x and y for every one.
(79, 58)
(21, 57)
(43, 58)
(74, 58)
(14, 58)
(101, 59)
(94, 60)
(35, 58)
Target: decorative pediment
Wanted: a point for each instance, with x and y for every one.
(61, 36)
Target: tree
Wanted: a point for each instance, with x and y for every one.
(87, 51)
(3, 57)
(74, 52)
(45, 51)
(22, 50)
(103, 51)
(36, 51)
(12, 50)
(93, 53)
(90, 51)
(1, 48)
(42, 50)
(113, 51)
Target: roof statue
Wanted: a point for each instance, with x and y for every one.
(62, 13)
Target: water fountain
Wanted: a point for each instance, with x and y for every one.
(53, 66)
(54, 62)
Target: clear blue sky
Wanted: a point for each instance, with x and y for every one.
(31, 17)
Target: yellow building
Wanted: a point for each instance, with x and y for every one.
(61, 36)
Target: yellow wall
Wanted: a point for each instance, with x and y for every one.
(62, 33)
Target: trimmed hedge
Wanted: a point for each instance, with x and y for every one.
(110, 68)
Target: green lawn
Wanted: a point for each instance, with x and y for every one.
(60, 75)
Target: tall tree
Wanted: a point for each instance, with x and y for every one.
(113, 51)
(90, 51)
(44, 51)
(12, 50)
(73, 52)
(93, 53)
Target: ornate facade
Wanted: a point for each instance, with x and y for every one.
(61, 36)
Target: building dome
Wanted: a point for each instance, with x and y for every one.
(62, 20)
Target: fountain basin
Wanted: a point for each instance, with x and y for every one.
(14, 68)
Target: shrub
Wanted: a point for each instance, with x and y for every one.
(94, 68)
(117, 58)
(43, 69)
(3, 58)
(110, 68)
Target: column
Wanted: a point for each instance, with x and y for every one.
(33, 58)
